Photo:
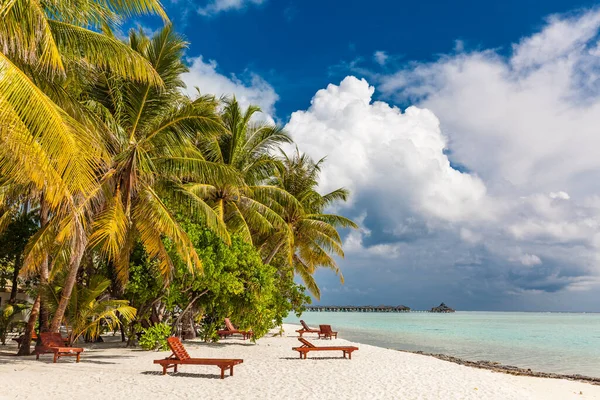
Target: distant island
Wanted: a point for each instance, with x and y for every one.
(442, 308)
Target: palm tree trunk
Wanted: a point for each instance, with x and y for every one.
(74, 263)
(15, 279)
(275, 250)
(44, 271)
(25, 345)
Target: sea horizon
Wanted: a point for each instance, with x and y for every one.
(554, 342)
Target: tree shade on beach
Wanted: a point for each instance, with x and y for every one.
(133, 187)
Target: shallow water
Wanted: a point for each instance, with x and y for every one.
(567, 343)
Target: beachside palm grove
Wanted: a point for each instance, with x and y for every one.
(127, 205)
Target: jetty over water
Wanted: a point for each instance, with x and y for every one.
(358, 308)
(442, 308)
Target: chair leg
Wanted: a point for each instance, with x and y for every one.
(78, 355)
(350, 355)
(164, 369)
(55, 357)
(231, 371)
(223, 372)
(175, 368)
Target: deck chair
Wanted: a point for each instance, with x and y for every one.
(306, 329)
(231, 330)
(181, 357)
(53, 342)
(308, 347)
(326, 332)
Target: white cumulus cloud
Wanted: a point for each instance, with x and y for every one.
(397, 157)
(251, 90)
(217, 6)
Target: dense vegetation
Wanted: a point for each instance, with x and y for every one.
(127, 204)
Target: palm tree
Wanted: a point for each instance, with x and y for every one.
(314, 238)
(149, 136)
(46, 139)
(246, 146)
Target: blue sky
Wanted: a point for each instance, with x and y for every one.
(301, 46)
(466, 131)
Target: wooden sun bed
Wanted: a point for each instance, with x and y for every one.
(326, 332)
(231, 330)
(180, 357)
(53, 342)
(308, 347)
(307, 329)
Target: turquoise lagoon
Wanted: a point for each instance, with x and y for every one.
(566, 343)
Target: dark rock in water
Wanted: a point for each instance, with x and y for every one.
(442, 308)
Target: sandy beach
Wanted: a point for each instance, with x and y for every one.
(270, 370)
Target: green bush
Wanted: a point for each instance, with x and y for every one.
(155, 337)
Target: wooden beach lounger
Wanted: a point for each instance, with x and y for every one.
(232, 330)
(308, 346)
(53, 342)
(306, 329)
(326, 332)
(180, 356)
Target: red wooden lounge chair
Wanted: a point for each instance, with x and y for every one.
(308, 346)
(306, 329)
(232, 330)
(52, 342)
(180, 356)
(326, 332)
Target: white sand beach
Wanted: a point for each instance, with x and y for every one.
(271, 370)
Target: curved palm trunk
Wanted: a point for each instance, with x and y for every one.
(25, 345)
(275, 250)
(15, 279)
(74, 263)
(44, 271)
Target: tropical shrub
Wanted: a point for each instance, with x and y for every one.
(8, 321)
(155, 337)
(90, 309)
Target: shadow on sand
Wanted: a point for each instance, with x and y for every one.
(184, 375)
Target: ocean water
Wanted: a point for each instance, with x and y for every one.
(567, 343)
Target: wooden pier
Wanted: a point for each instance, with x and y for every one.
(388, 309)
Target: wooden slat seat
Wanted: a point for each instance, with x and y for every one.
(181, 357)
(231, 330)
(308, 347)
(306, 329)
(326, 332)
(53, 342)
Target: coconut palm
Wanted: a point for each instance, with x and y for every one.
(246, 145)
(45, 137)
(149, 137)
(314, 239)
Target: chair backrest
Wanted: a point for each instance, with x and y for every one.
(306, 342)
(325, 328)
(229, 325)
(304, 325)
(178, 349)
(52, 339)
